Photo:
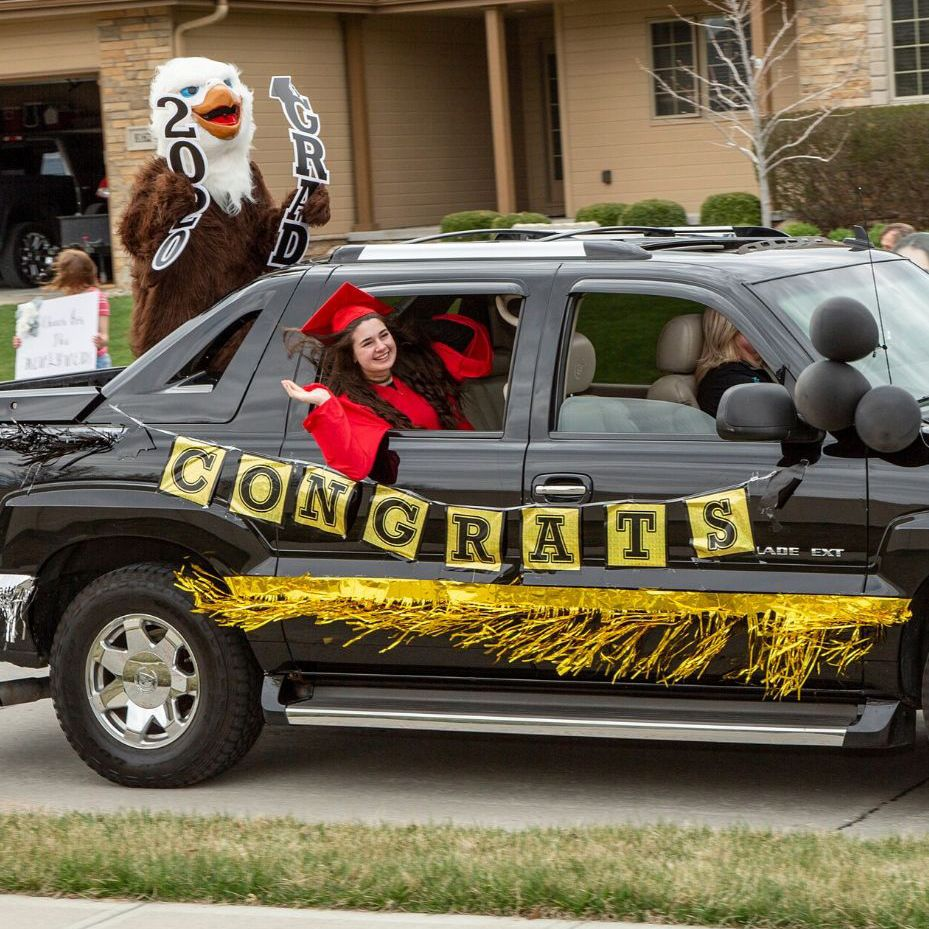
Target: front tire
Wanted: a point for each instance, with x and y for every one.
(148, 693)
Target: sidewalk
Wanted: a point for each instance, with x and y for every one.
(17, 912)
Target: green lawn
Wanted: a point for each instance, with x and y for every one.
(120, 310)
(732, 877)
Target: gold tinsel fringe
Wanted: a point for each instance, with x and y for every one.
(667, 636)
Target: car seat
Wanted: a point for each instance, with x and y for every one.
(483, 400)
(680, 345)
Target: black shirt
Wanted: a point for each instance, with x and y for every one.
(718, 380)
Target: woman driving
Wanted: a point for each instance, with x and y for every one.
(375, 375)
(728, 358)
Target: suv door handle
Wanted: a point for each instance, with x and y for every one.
(562, 488)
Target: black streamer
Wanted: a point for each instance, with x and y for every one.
(41, 445)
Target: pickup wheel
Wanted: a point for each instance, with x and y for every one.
(26, 259)
(148, 693)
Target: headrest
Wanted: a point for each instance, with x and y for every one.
(680, 344)
(582, 363)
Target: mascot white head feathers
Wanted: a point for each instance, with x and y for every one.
(222, 107)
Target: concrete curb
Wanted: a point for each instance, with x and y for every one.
(21, 912)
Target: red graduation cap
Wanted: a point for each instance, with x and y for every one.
(346, 305)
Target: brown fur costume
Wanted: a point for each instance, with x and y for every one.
(225, 251)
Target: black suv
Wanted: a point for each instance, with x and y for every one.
(590, 401)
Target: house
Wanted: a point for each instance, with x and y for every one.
(432, 106)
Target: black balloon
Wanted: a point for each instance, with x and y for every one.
(888, 418)
(842, 329)
(827, 394)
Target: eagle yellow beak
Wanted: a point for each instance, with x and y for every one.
(220, 113)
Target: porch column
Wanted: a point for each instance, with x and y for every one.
(495, 28)
(358, 123)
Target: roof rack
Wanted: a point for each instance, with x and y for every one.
(495, 235)
(668, 232)
(544, 249)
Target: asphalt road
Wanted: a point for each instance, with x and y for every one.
(339, 775)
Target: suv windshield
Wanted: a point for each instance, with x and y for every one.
(903, 289)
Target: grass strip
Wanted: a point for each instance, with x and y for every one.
(731, 877)
(120, 353)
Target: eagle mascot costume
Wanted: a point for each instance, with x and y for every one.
(231, 243)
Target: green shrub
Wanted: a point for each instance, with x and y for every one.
(468, 219)
(607, 214)
(735, 209)
(796, 229)
(875, 233)
(655, 213)
(841, 234)
(882, 150)
(508, 220)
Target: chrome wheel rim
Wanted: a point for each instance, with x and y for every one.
(35, 256)
(142, 681)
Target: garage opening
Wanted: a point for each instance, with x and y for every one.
(52, 176)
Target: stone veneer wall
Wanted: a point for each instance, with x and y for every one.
(132, 45)
(843, 41)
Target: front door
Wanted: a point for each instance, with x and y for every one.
(601, 439)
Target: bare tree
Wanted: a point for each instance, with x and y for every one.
(737, 91)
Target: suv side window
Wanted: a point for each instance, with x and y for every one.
(483, 399)
(627, 366)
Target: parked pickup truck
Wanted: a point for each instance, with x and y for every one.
(43, 178)
(590, 402)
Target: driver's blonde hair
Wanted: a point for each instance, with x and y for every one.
(719, 346)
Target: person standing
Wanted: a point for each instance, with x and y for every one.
(893, 233)
(76, 273)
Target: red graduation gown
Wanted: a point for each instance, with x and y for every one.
(350, 434)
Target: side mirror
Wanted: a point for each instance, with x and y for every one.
(756, 413)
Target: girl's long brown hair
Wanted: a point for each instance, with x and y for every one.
(75, 272)
(417, 365)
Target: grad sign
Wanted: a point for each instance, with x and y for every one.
(475, 536)
(58, 337)
(309, 165)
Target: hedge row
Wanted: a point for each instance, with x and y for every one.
(883, 152)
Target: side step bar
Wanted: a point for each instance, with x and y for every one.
(25, 690)
(871, 724)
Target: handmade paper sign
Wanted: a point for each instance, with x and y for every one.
(58, 337)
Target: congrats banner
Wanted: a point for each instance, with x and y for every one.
(475, 537)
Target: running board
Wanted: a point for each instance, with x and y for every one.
(870, 724)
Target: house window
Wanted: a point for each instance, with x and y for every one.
(725, 61)
(910, 24)
(677, 54)
(673, 53)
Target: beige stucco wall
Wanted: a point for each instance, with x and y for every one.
(309, 48)
(429, 115)
(607, 114)
(61, 45)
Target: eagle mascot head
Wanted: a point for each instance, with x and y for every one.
(222, 107)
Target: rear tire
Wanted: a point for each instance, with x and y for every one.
(148, 693)
(26, 259)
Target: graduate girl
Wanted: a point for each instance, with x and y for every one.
(375, 375)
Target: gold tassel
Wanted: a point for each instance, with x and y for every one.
(662, 635)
